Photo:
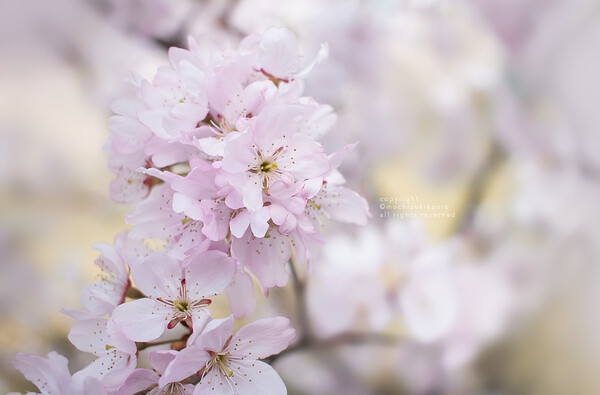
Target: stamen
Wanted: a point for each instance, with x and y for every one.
(220, 360)
(315, 204)
(266, 166)
(181, 305)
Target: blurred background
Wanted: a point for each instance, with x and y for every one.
(478, 126)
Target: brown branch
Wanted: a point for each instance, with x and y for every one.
(144, 345)
(301, 308)
(344, 339)
(134, 293)
(476, 191)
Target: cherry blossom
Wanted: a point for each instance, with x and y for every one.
(116, 355)
(175, 101)
(429, 300)
(219, 152)
(126, 148)
(279, 57)
(175, 293)
(269, 152)
(103, 296)
(52, 377)
(231, 363)
(143, 379)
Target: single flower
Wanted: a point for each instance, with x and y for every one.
(175, 293)
(229, 364)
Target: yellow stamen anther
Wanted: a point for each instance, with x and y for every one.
(181, 305)
(315, 204)
(266, 167)
(220, 361)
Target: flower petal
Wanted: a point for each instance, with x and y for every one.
(142, 320)
(90, 336)
(160, 359)
(240, 294)
(215, 382)
(187, 362)
(51, 374)
(238, 153)
(265, 257)
(240, 223)
(158, 276)
(262, 338)
(140, 380)
(278, 52)
(259, 222)
(209, 274)
(249, 378)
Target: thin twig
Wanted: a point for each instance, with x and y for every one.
(478, 187)
(301, 308)
(344, 339)
(144, 345)
(134, 293)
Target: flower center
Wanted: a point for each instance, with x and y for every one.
(266, 166)
(221, 361)
(181, 305)
(314, 204)
(173, 389)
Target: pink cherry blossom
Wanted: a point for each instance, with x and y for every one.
(230, 363)
(102, 297)
(155, 218)
(116, 355)
(175, 293)
(279, 56)
(197, 196)
(126, 147)
(52, 377)
(265, 257)
(220, 152)
(278, 53)
(429, 299)
(155, 18)
(129, 185)
(240, 294)
(148, 379)
(270, 151)
(175, 100)
(328, 199)
(237, 118)
(351, 264)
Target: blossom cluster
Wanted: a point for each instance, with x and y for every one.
(219, 151)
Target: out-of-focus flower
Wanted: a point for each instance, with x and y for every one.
(51, 375)
(156, 18)
(102, 297)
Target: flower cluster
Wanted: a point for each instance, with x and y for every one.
(219, 153)
(222, 147)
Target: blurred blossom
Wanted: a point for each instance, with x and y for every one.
(557, 203)
(449, 306)
(488, 106)
(156, 18)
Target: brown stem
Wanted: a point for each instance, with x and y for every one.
(301, 309)
(134, 293)
(343, 339)
(144, 345)
(478, 186)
